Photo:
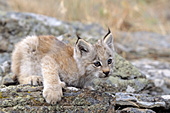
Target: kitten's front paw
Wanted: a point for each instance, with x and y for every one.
(53, 94)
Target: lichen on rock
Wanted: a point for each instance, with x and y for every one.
(27, 98)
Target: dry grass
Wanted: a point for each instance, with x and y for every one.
(126, 15)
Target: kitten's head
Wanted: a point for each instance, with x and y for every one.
(95, 60)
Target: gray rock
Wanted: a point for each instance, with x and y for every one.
(156, 71)
(139, 100)
(1, 75)
(135, 110)
(6, 67)
(1, 72)
(26, 98)
(7, 79)
(3, 44)
(155, 103)
(5, 73)
(142, 44)
(4, 57)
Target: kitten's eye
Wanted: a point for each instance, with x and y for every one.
(109, 61)
(97, 64)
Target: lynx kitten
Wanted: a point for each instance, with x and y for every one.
(44, 59)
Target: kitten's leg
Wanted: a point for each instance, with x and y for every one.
(30, 72)
(32, 80)
(52, 91)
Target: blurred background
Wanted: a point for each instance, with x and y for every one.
(124, 15)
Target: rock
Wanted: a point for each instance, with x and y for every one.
(5, 73)
(139, 100)
(135, 110)
(1, 72)
(153, 104)
(167, 100)
(166, 97)
(1, 75)
(166, 73)
(156, 71)
(6, 67)
(3, 44)
(4, 57)
(143, 44)
(24, 98)
(7, 79)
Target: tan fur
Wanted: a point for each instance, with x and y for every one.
(38, 59)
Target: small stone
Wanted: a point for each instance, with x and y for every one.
(166, 73)
(3, 90)
(1, 72)
(159, 82)
(4, 57)
(130, 89)
(135, 110)
(6, 66)
(167, 97)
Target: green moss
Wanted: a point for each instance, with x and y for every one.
(18, 108)
(7, 103)
(28, 97)
(1, 95)
(125, 68)
(80, 101)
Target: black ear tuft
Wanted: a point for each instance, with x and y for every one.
(78, 37)
(108, 40)
(107, 33)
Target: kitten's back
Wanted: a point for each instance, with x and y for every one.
(28, 53)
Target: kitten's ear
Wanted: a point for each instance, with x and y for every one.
(108, 39)
(82, 47)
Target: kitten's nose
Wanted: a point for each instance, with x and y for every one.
(106, 73)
